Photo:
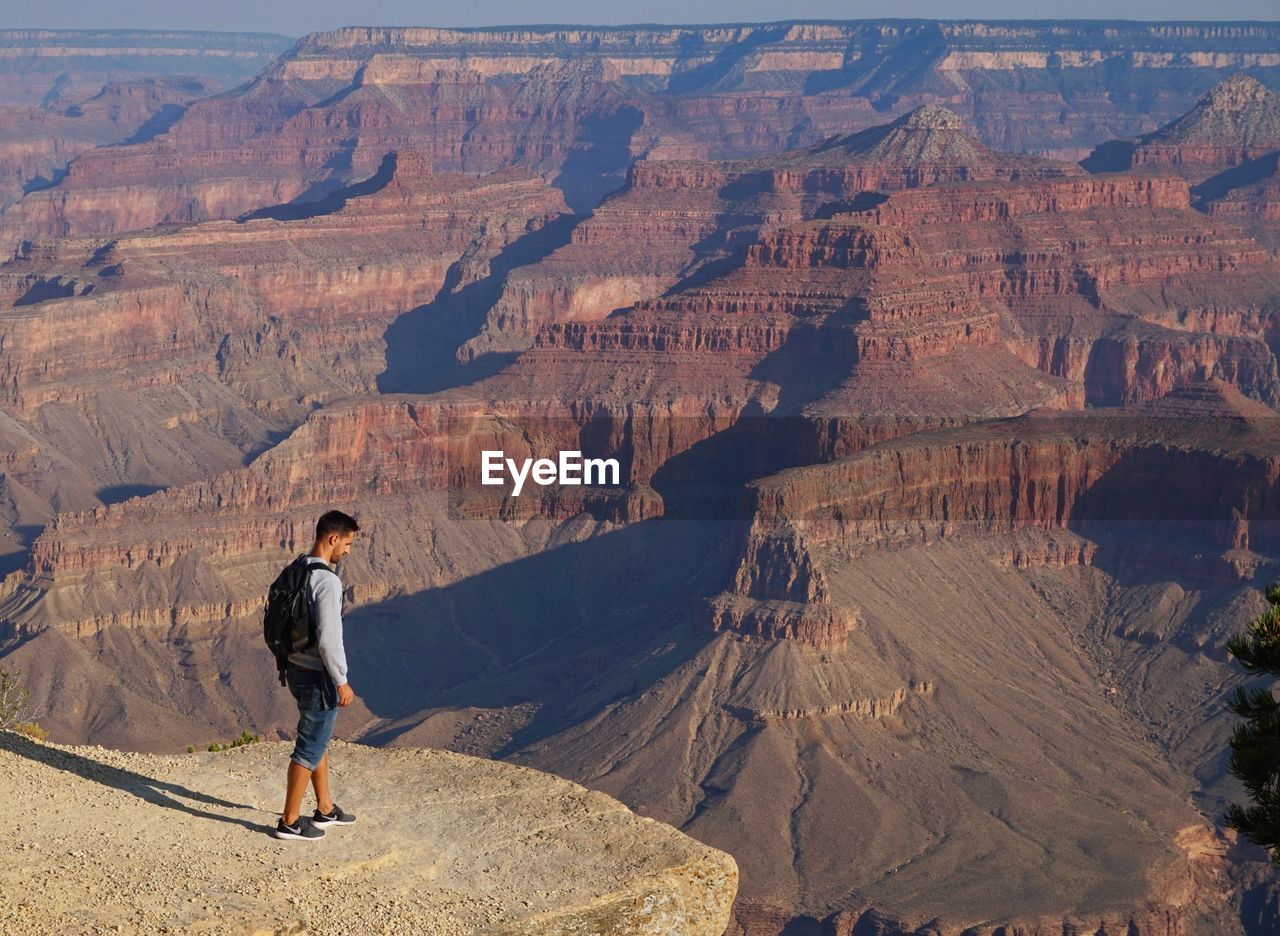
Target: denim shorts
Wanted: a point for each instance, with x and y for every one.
(317, 698)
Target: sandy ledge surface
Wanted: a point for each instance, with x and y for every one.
(94, 840)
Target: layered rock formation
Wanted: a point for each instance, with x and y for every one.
(1228, 144)
(232, 332)
(36, 144)
(1053, 269)
(1250, 198)
(1234, 122)
(939, 305)
(1049, 471)
(682, 218)
(68, 91)
(1052, 272)
(591, 100)
(333, 276)
(57, 68)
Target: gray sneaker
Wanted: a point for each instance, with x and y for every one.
(302, 831)
(335, 817)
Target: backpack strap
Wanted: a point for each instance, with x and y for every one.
(324, 566)
(310, 566)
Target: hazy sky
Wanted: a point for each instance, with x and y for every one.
(295, 17)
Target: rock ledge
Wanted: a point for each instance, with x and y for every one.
(111, 841)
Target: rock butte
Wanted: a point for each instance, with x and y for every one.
(685, 216)
(1229, 145)
(947, 471)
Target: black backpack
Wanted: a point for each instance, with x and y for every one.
(288, 624)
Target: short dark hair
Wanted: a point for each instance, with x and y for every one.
(335, 521)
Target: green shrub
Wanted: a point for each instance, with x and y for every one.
(1255, 742)
(31, 730)
(246, 737)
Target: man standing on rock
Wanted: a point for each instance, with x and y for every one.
(317, 677)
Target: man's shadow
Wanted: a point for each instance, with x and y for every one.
(146, 788)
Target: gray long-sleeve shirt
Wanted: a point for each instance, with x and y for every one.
(328, 652)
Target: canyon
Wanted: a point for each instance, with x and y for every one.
(947, 464)
(65, 92)
(57, 68)
(590, 101)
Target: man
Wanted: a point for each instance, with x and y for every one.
(317, 677)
